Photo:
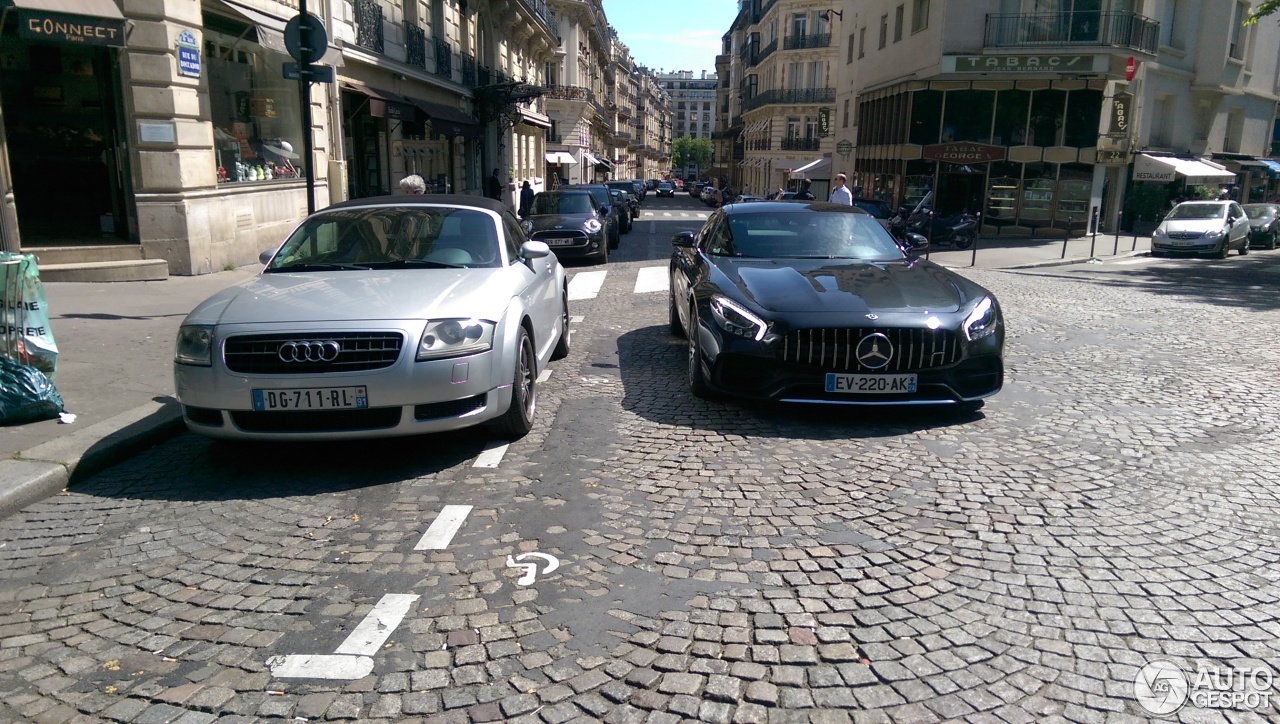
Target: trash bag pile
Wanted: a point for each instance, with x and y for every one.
(28, 354)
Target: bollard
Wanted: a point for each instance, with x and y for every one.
(973, 259)
(1119, 216)
(1093, 239)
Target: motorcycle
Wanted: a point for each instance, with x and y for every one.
(959, 230)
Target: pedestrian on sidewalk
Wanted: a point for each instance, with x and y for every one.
(804, 194)
(840, 194)
(413, 184)
(493, 186)
(526, 198)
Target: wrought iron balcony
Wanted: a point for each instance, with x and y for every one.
(1116, 30)
(801, 144)
(415, 45)
(568, 93)
(801, 42)
(469, 70)
(765, 52)
(763, 10)
(368, 17)
(792, 96)
(484, 75)
(444, 58)
(760, 144)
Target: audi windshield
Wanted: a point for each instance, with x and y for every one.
(805, 235)
(384, 237)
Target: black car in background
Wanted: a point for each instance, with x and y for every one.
(695, 189)
(629, 209)
(605, 199)
(630, 188)
(816, 303)
(665, 188)
(570, 223)
(1264, 224)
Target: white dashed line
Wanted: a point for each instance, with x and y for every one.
(299, 666)
(374, 629)
(575, 320)
(652, 279)
(544, 375)
(492, 455)
(586, 285)
(443, 528)
(1139, 260)
(666, 213)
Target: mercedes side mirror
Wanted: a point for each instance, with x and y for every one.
(265, 256)
(683, 239)
(916, 242)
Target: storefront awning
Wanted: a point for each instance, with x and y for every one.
(1273, 166)
(448, 121)
(271, 31)
(92, 8)
(1163, 169)
(383, 104)
(561, 157)
(814, 169)
(590, 158)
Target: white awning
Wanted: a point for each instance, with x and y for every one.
(91, 8)
(1163, 169)
(590, 158)
(786, 165)
(562, 157)
(813, 167)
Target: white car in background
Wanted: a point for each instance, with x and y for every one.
(379, 317)
(1202, 227)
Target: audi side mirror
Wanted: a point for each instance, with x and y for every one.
(682, 239)
(535, 250)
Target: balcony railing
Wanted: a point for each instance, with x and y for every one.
(444, 59)
(368, 17)
(792, 96)
(801, 144)
(765, 7)
(801, 42)
(760, 144)
(1117, 30)
(415, 45)
(765, 52)
(469, 70)
(568, 93)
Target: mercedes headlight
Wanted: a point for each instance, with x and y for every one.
(1159, 231)
(736, 319)
(455, 337)
(592, 226)
(1214, 233)
(981, 322)
(195, 345)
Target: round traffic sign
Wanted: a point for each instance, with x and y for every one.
(1129, 68)
(318, 40)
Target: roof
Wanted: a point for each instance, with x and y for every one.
(475, 202)
(765, 207)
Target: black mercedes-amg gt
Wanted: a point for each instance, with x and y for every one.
(801, 301)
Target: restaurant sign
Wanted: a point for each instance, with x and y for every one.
(963, 153)
(1072, 63)
(62, 28)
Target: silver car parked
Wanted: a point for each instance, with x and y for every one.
(1202, 227)
(378, 317)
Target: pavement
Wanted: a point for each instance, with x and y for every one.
(115, 345)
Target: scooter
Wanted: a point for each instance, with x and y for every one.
(957, 231)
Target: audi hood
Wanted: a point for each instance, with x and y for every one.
(346, 296)
(847, 286)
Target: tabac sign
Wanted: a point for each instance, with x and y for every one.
(1066, 63)
(62, 28)
(1121, 106)
(963, 153)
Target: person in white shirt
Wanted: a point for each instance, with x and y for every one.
(840, 194)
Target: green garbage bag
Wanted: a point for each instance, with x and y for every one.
(25, 336)
(26, 395)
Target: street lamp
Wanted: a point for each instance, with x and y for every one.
(826, 15)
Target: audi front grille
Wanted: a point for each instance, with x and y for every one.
(836, 349)
(261, 354)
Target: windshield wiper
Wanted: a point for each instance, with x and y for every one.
(404, 263)
(320, 266)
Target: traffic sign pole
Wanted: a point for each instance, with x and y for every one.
(304, 89)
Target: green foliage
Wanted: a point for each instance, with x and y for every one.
(1146, 202)
(1264, 9)
(696, 151)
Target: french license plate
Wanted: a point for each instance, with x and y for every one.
(311, 398)
(1182, 242)
(560, 242)
(871, 384)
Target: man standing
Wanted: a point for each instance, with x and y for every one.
(493, 186)
(840, 194)
(804, 194)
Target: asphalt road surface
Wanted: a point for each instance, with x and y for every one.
(646, 556)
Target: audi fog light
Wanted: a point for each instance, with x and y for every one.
(981, 322)
(592, 226)
(454, 337)
(736, 319)
(195, 345)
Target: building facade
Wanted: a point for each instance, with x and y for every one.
(693, 107)
(1035, 114)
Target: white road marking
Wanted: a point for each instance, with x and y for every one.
(544, 375)
(1139, 260)
(586, 285)
(531, 569)
(666, 213)
(575, 320)
(443, 528)
(701, 216)
(374, 629)
(298, 666)
(652, 279)
(492, 455)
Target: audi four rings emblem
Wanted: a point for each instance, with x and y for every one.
(874, 351)
(311, 350)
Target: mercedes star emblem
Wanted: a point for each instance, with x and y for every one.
(309, 351)
(874, 351)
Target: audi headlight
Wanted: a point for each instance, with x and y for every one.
(455, 337)
(736, 319)
(592, 226)
(981, 322)
(195, 345)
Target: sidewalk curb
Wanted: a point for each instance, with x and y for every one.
(1077, 260)
(50, 467)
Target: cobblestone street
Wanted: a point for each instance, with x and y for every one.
(1116, 504)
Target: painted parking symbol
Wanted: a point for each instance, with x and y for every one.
(531, 572)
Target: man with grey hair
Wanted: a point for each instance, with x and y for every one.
(413, 184)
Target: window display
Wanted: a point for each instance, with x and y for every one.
(256, 114)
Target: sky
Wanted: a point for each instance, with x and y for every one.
(672, 34)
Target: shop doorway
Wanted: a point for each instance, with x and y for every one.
(959, 192)
(67, 150)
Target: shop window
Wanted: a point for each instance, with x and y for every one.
(1004, 188)
(256, 114)
(1011, 118)
(1084, 107)
(926, 116)
(1046, 124)
(1075, 182)
(968, 116)
(1038, 186)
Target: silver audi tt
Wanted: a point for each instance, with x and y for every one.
(378, 317)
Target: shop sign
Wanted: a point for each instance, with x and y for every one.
(71, 28)
(188, 54)
(824, 122)
(964, 152)
(1121, 110)
(844, 148)
(1146, 168)
(1055, 63)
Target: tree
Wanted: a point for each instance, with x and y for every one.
(680, 152)
(697, 151)
(1265, 8)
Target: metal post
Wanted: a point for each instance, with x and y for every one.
(304, 91)
(973, 259)
(1119, 216)
(1093, 239)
